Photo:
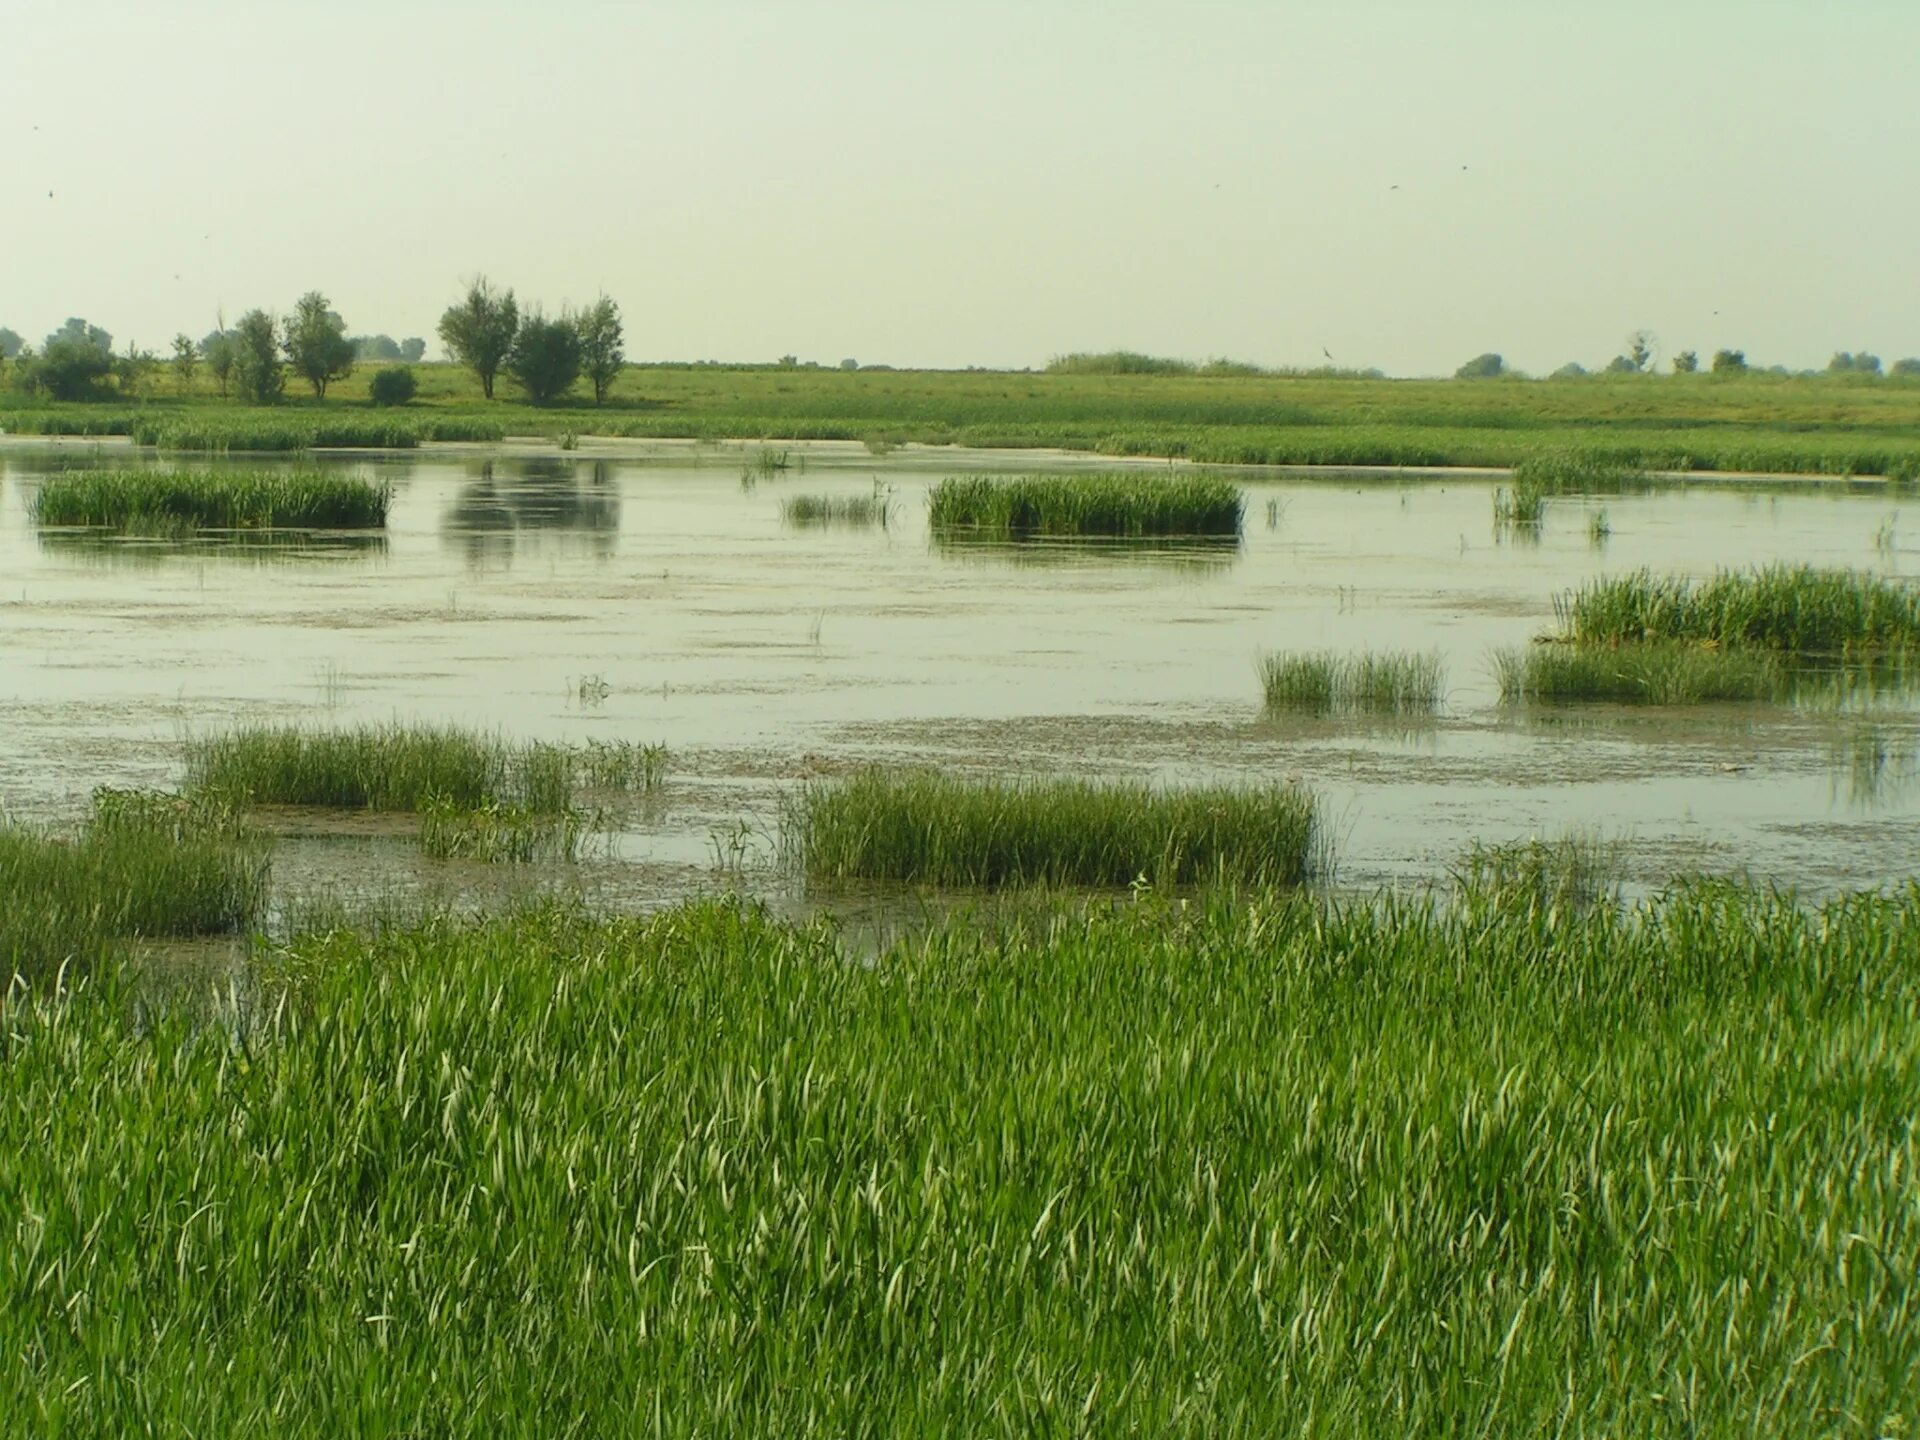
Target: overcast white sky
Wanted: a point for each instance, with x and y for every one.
(983, 183)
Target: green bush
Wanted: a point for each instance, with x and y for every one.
(393, 385)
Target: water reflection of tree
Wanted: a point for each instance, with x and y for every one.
(504, 511)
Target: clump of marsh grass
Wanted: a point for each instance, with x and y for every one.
(404, 768)
(170, 501)
(1390, 682)
(1122, 505)
(145, 865)
(504, 833)
(1570, 874)
(1792, 609)
(1669, 673)
(850, 511)
(1520, 510)
(1576, 472)
(620, 765)
(1599, 529)
(939, 830)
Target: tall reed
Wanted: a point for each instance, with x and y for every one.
(1122, 505)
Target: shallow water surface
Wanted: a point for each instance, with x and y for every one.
(657, 596)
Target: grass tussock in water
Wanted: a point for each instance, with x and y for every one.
(409, 767)
(1665, 673)
(1121, 505)
(1577, 472)
(1565, 875)
(1247, 1169)
(932, 829)
(1393, 682)
(145, 865)
(169, 501)
(501, 833)
(849, 511)
(1795, 610)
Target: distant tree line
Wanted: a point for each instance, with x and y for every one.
(253, 359)
(1640, 356)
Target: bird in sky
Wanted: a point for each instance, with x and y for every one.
(1326, 352)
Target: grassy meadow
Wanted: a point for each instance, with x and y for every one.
(1254, 1167)
(1834, 425)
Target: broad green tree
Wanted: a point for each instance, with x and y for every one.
(1686, 362)
(545, 358)
(479, 331)
(316, 343)
(601, 342)
(256, 359)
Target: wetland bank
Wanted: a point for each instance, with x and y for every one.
(678, 940)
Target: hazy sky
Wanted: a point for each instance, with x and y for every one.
(986, 183)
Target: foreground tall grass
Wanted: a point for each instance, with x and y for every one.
(1390, 682)
(144, 866)
(1122, 505)
(160, 501)
(1654, 673)
(1275, 1167)
(409, 768)
(1792, 609)
(937, 830)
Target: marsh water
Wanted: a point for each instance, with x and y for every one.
(656, 594)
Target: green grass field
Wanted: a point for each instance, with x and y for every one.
(1799, 425)
(1255, 1167)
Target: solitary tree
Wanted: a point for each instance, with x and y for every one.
(601, 337)
(256, 359)
(545, 358)
(1908, 369)
(132, 368)
(316, 343)
(1482, 367)
(219, 352)
(479, 331)
(1686, 362)
(1729, 362)
(186, 357)
(1640, 348)
(413, 349)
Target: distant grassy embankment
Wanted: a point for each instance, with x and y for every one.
(1801, 425)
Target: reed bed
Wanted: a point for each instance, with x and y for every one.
(280, 433)
(1394, 682)
(171, 501)
(1120, 505)
(1796, 610)
(932, 829)
(1253, 1168)
(1652, 673)
(411, 767)
(145, 865)
(848, 511)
